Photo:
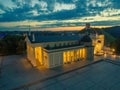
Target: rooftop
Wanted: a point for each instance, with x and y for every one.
(55, 38)
(86, 38)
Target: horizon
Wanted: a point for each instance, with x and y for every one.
(65, 28)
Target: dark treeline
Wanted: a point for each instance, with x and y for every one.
(12, 44)
(114, 31)
(113, 38)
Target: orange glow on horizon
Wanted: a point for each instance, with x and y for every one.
(71, 28)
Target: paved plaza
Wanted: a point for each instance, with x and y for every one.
(16, 73)
(100, 76)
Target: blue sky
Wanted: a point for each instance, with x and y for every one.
(48, 13)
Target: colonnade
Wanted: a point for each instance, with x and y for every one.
(74, 55)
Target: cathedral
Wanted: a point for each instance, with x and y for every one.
(55, 50)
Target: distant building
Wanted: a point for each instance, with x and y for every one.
(55, 50)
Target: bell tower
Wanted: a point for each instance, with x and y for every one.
(87, 26)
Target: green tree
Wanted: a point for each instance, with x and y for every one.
(116, 45)
(12, 44)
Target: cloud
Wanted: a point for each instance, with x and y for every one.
(41, 10)
(22, 3)
(60, 15)
(110, 12)
(3, 8)
(62, 6)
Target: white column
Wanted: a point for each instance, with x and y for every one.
(53, 60)
(78, 54)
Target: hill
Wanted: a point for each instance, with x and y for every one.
(108, 38)
(114, 31)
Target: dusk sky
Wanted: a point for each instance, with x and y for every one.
(55, 13)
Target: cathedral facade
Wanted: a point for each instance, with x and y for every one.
(55, 50)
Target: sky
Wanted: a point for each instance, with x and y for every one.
(59, 13)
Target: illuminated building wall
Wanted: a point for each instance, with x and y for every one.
(55, 59)
(31, 54)
(47, 58)
(39, 56)
(74, 55)
(99, 44)
(59, 52)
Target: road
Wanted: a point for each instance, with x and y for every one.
(107, 56)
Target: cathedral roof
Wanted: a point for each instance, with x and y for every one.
(57, 38)
(86, 38)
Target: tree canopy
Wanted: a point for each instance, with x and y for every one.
(12, 44)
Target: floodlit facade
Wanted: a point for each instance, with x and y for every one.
(98, 43)
(97, 38)
(55, 50)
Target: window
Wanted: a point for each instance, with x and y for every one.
(99, 41)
